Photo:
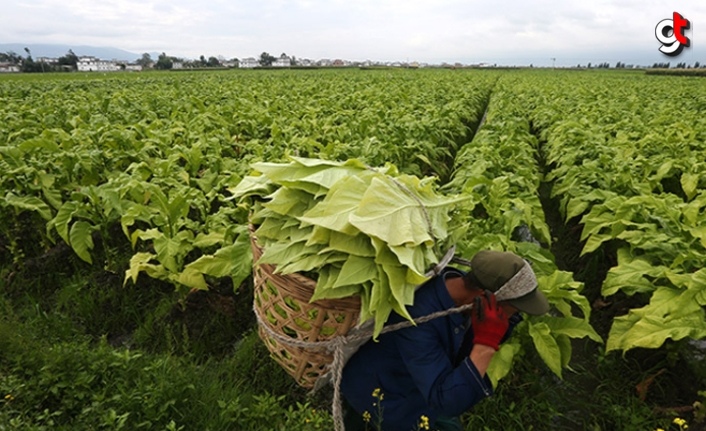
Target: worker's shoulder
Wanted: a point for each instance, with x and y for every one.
(430, 297)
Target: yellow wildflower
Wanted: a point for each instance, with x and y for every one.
(424, 423)
(9, 397)
(376, 393)
(681, 423)
(366, 416)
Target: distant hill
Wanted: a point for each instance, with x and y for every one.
(55, 50)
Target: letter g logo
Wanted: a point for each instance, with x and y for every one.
(670, 32)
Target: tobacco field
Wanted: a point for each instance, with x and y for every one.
(125, 262)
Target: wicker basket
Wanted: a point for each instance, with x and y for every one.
(282, 301)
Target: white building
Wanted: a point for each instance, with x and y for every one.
(283, 61)
(248, 63)
(47, 60)
(93, 64)
(9, 67)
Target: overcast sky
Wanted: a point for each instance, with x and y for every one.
(467, 31)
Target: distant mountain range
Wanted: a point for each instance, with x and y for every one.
(56, 50)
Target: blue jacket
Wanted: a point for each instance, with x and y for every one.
(420, 370)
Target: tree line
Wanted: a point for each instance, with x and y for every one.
(166, 62)
(657, 65)
(67, 62)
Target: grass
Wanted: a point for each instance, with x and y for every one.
(80, 351)
(87, 386)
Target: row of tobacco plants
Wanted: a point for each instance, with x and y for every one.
(619, 180)
(156, 156)
(628, 164)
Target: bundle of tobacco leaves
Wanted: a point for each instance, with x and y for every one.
(354, 229)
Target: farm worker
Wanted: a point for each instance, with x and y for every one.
(425, 376)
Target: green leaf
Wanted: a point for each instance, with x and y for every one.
(314, 178)
(342, 200)
(571, 327)
(692, 210)
(355, 271)
(225, 262)
(382, 307)
(700, 233)
(81, 240)
(289, 202)
(205, 240)
(30, 203)
(629, 275)
(546, 346)
(178, 207)
(44, 142)
(271, 227)
(562, 290)
(413, 258)
(358, 245)
(575, 208)
(52, 196)
(651, 332)
(593, 243)
(140, 262)
(258, 185)
(565, 347)
(193, 278)
(663, 170)
(132, 214)
(285, 253)
(501, 364)
(311, 262)
(170, 251)
(671, 314)
(402, 292)
(388, 213)
(62, 220)
(689, 184)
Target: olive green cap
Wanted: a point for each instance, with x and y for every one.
(511, 279)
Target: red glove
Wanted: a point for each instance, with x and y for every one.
(489, 321)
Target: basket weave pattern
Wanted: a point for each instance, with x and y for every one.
(282, 301)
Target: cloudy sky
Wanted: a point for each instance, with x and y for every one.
(511, 32)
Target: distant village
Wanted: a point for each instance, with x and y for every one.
(14, 63)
